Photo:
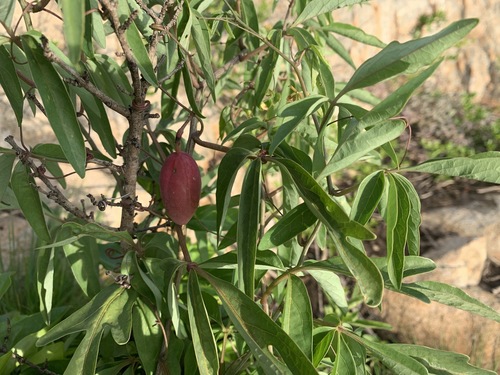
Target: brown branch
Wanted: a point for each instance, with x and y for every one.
(54, 193)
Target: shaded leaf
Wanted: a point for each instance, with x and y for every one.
(73, 27)
(28, 198)
(344, 362)
(247, 234)
(288, 226)
(110, 309)
(297, 315)
(201, 331)
(201, 38)
(57, 103)
(259, 331)
(6, 163)
(10, 83)
(147, 336)
(331, 285)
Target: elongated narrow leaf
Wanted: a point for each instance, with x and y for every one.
(264, 72)
(320, 203)
(110, 309)
(6, 163)
(203, 338)
(290, 225)
(98, 119)
(397, 218)
(108, 76)
(322, 347)
(259, 331)
(450, 296)
(367, 274)
(439, 360)
(73, 27)
(396, 361)
(45, 281)
(136, 42)
(324, 79)
(228, 168)
(26, 194)
(297, 315)
(10, 84)
(148, 337)
(201, 38)
(407, 57)
(315, 8)
(482, 167)
(293, 115)
(58, 105)
(7, 8)
(366, 200)
(415, 219)
(247, 234)
(344, 362)
(393, 104)
(362, 143)
(354, 33)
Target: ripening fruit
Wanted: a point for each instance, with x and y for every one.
(180, 186)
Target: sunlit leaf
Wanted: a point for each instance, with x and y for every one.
(367, 198)
(481, 167)
(315, 8)
(73, 27)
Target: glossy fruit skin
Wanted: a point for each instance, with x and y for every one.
(180, 186)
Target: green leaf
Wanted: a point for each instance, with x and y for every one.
(110, 309)
(293, 115)
(264, 71)
(45, 281)
(361, 143)
(324, 79)
(147, 336)
(201, 38)
(201, 331)
(331, 285)
(407, 57)
(438, 361)
(322, 347)
(297, 315)
(288, 226)
(58, 105)
(450, 296)
(399, 363)
(10, 83)
(98, 119)
(7, 8)
(5, 282)
(315, 8)
(247, 234)
(228, 168)
(249, 17)
(319, 202)
(73, 27)
(396, 219)
(259, 331)
(366, 200)
(245, 127)
(354, 33)
(415, 219)
(482, 167)
(6, 163)
(344, 362)
(393, 104)
(26, 194)
(367, 274)
(136, 42)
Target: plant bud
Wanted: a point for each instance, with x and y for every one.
(180, 185)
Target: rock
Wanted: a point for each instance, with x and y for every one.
(492, 235)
